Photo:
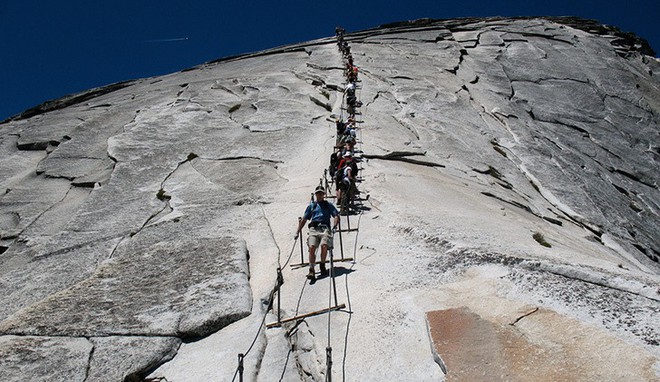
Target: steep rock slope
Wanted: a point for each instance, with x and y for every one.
(151, 213)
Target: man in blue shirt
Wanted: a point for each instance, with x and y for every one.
(318, 213)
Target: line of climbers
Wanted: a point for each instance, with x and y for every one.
(343, 168)
(343, 171)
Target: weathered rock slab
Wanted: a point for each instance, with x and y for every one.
(48, 359)
(121, 358)
(183, 287)
(27, 277)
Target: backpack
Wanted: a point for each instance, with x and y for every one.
(341, 126)
(354, 168)
(334, 162)
(339, 173)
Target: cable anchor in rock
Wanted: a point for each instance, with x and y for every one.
(241, 356)
(280, 282)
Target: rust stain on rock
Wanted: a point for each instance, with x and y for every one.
(475, 349)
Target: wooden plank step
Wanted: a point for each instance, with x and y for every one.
(310, 314)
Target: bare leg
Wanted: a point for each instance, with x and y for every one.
(312, 256)
(324, 253)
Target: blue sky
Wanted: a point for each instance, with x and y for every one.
(53, 48)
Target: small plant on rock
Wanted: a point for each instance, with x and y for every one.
(541, 239)
(162, 196)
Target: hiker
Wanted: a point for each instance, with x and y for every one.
(348, 70)
(350, 106)
(349, 144)
(349, 147)
(349, 136)
(318, 213)
(345, 178)
(351, 72)
(348, 165)
(335, 158)
(349, 89)
(341, 127)
(351, 100)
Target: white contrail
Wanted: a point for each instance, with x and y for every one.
(168, 39)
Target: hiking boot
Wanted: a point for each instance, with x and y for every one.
(311, 275)
(324, 271)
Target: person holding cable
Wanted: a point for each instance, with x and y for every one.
(318, 213)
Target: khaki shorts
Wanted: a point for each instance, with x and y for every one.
(318, 237)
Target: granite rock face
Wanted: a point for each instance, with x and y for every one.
(533, 95)
(147, 213)
(44, 358)
(184, 287)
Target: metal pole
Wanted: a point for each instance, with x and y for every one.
(302, 258)
(332, 277)
(341, 244)
(280, 281)
(240, 367)
(325, 179)
(328, 361)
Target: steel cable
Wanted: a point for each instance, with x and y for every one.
(274, 290)
(271, 294)
(302, 291)
(348, 300)
(290, 253)
(261, 325)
